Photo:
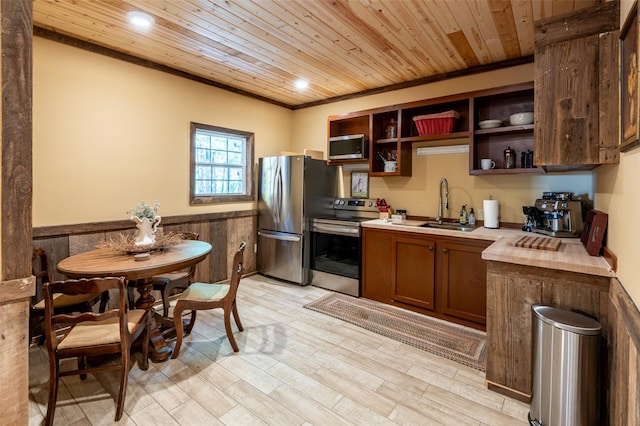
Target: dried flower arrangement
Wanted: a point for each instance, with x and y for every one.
(144, 210)
(127, 243)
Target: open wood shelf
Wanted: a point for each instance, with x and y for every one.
(473, 107)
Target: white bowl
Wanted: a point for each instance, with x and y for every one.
(521, 118)
(490, 124)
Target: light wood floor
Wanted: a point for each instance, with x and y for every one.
(295, 367)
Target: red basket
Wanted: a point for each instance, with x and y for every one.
(436, 124)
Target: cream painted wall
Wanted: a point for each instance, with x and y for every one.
(108, 134)
(418, 194)
(616, 192)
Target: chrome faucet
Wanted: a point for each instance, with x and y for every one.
(446, 198)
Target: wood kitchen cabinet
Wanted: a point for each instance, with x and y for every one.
(376, 265)
(576, 97)
(436, 275)
(511, 291)
(462, 276)
(381, 145)
(472, 107)
(414, 271)
(349, 124)
(499, 104)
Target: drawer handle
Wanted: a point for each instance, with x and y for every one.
(430, 248)
(445, 250)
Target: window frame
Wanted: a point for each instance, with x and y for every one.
(249, 194)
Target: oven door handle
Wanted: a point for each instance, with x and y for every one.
(279, 236)
(324, 228)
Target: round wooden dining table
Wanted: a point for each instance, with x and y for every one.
(112, 263)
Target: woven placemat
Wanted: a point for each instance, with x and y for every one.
(456, 342)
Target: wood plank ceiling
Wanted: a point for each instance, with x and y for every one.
(342, 47)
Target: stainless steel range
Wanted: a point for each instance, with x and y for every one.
(336, 245)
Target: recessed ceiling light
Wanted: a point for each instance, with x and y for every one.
(140, 19)
(301, 84)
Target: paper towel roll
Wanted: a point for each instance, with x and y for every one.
(491, 214)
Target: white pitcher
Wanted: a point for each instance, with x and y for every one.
(147, 228)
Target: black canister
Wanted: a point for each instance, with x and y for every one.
(509, 158)
(529, 159)
(526, 159)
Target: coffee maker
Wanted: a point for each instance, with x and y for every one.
(556, 214)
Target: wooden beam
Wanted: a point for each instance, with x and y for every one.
(15, 270)
(594, 20)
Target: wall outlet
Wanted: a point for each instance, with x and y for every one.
(480, 214)
(255, 248)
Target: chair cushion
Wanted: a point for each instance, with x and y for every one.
(64, 300)
(171, 276)
(205, 292)
(92, 333)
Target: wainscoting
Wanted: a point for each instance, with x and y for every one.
(224, 231)
(624, 364)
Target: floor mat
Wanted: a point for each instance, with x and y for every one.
(456, 342)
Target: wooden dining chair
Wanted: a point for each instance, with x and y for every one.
(171, 282)
(92, 334)
(202, 296)
(62, 303)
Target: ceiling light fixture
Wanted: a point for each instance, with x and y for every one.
(301, 84)
(140, 19)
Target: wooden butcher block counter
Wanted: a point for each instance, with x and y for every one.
(570, 256)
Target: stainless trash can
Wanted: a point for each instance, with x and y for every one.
(566, 347)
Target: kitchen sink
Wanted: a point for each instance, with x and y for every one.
(449, 226)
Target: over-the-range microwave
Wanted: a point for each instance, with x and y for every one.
(348, 147)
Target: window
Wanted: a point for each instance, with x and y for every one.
(221, 165)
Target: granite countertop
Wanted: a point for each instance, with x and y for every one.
(571, 255)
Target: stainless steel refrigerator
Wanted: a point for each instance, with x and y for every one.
(292, 190)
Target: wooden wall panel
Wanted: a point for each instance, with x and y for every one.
(218, 268)
(16, 75)
(624, 363)
(57, 248)
(609, 98)
(242, 229)
(224, 233)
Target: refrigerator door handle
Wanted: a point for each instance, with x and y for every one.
(277, 194)
(279, 236)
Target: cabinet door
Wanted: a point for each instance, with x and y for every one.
(566, 130)
(576, 89)
(413, 278)
(463, 280)
(509, 323)
(376, 265)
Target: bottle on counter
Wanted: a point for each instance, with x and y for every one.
(472, 217)
(463, 214)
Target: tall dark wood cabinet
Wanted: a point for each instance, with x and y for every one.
(576, 86)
